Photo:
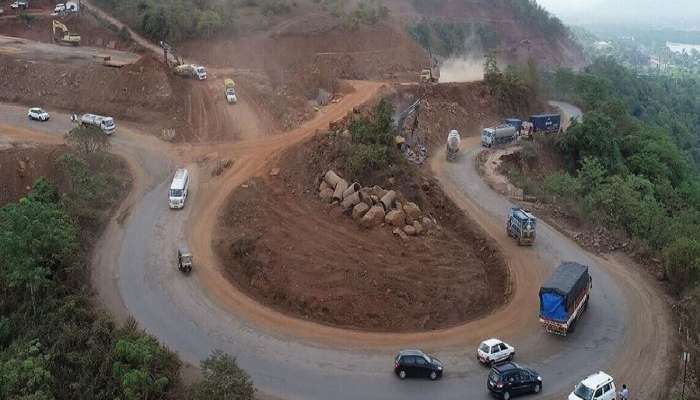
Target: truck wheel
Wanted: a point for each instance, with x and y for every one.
(572, 328)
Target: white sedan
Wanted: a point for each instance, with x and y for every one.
(60, 7)
(494, 351)
(38, 114)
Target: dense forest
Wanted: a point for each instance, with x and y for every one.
(54, 342)
(633, 161)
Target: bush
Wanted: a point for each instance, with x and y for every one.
(275, 7)
(87, 139)
(364, 158)
(223, 379)
(682, 261)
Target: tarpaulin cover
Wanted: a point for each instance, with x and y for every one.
(566, 284)
(552, 307)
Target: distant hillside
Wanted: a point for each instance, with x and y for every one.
(517, 29)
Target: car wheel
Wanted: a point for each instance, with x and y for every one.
(402, 374)
(506, 395)
(536, 389)
(510, 357)
(433, 375)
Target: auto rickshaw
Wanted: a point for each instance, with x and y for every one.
(184, 259)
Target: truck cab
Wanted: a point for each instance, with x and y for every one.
(178, 189)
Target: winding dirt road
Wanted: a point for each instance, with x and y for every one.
(625, 332)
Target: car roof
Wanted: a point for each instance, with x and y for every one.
(509, 366)
(411, 352)
(596, 380)
(491, 342)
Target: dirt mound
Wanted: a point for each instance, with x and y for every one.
(20, 167)
(281, 245)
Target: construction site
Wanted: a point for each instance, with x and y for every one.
(308, 269)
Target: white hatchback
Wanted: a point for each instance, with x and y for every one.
(37, 114)
(494, 351)
(599, 386)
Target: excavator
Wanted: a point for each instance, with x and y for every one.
(64, 36)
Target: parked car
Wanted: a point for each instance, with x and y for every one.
(599, 386)
(511, 379)
(417, 364)
(38, 114)
(20, 4)
(494, 351)
(60, 7)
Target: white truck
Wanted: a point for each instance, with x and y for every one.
(453, 142)
(498, 135)
(105, 123)
(191, 71)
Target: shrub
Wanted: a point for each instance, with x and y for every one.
(223, 379)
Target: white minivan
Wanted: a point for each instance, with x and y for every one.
(599, 386)
(178, 189)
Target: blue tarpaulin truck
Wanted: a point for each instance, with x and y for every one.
(546, 122)
(564, 297)
(515, 123)
(521, 225)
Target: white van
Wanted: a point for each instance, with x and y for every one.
(599, 386)
(178, 189)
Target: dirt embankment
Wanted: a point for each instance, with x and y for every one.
(286, 248)
(21, 166)
(92, 32)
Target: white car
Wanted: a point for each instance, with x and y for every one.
(19, 4)
(494, 351)
(60, 7)
(38, 114)
(599, 386)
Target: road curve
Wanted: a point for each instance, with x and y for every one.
(625, 331)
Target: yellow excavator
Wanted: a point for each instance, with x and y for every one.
(64, 36)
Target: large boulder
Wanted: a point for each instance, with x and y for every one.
(410, 230)
(373, 217)
(326, 195)
(418, 227)
(395, 218)
(359, 211)
(412, 212)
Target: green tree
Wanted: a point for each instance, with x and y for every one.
(87, 139)
(24, 372)
(143, 367)
(682, 260)
(223, 379)
(208, 23)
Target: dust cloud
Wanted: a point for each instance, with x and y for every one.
(462, 69)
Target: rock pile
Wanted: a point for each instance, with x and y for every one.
(374, 206)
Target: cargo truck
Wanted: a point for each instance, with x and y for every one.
(105, 123)
(453, 142)
(521, 225)
(498, 135)
(547, 123)
(230, 91)
(564, 298)
(515, 123)
(191, 71)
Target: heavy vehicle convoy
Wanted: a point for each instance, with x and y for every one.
(564, 298)
(501, 134)
(548, 123)
(453, 142)
(521, 226)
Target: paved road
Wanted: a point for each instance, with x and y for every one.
(186, 318)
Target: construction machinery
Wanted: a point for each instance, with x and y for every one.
(62, 35)
(432, 74)
(230, 91)
(453, 143)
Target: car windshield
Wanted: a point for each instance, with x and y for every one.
(484, 347)
(494, 376)
(175, 192)
(583, 392)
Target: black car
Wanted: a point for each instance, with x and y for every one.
(511, 379)
(416, 364)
